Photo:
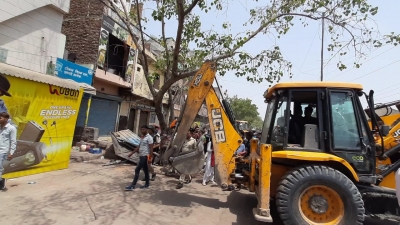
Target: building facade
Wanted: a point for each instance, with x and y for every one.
(42, 105)
(98, 39)
(30, 33)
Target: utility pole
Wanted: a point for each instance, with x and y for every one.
(322, 47)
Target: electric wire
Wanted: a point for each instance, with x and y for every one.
(315, 35)
(363, 62)
(375, 70)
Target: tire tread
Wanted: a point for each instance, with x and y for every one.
(288, 182)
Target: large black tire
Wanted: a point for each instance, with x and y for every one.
(318, 195)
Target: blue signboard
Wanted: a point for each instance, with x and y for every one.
(69, 70)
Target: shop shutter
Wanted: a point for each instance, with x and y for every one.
(102, 114)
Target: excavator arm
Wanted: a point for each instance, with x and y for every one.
(225, 138)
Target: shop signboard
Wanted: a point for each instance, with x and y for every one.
(69, 70)
(45, 117)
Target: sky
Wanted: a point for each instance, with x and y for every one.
(302, 47)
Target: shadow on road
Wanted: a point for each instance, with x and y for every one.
(100, 198)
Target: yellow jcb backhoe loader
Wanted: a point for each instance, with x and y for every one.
(242, 125)
(319, 169)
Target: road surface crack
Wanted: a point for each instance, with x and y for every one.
(94, 214)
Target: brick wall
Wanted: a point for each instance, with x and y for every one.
(82, 28)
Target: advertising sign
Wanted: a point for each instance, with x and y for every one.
(140, 86)
(102, 47)
(130, 65)
(116, 30)
(69, 70)
(45, 117)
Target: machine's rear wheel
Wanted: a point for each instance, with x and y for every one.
(316, 195)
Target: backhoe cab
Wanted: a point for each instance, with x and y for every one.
(242, 125)
(316, 157)
(322, 156)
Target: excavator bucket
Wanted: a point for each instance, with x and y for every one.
(199, 87)
(190, 163)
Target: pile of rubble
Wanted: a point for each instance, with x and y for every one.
(116, 147)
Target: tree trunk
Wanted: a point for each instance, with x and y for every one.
(170, 106)
(158, 109)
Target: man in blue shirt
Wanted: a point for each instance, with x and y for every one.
(8, 143)
(241, 149)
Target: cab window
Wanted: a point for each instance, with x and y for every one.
(303, 117)
(278, 134)
(346, 134)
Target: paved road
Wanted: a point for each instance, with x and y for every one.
(88, 193)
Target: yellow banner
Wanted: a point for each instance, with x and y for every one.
(45, 117)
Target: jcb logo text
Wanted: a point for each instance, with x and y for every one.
(396, 133)
(219, 130)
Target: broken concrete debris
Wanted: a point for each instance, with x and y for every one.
(118, 147)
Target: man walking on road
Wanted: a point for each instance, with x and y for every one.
(145, 149)
(8, 143)
(156, 145)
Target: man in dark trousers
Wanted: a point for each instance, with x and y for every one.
(145, 150)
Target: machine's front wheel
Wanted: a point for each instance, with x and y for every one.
(316, 195)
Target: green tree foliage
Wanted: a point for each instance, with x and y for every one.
(349, 24)
(244, 109)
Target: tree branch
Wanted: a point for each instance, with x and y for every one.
(191, 6)
(165, 40)
(171, 81)
(146, 61)
(178, 40)
(273, 20)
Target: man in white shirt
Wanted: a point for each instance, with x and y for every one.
(145, 150)
(8, 143)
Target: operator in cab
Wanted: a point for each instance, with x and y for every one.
(296, 124)
(308, 119)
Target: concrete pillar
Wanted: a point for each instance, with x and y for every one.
(136, 122)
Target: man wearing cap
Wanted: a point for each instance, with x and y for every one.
(145, 149)
(4, 87)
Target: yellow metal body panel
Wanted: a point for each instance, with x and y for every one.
(253, 157)
(264, 179)
(314, 156)
(277, 172)
(225, 138)
(311, 84)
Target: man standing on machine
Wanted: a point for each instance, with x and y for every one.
(8, 143)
